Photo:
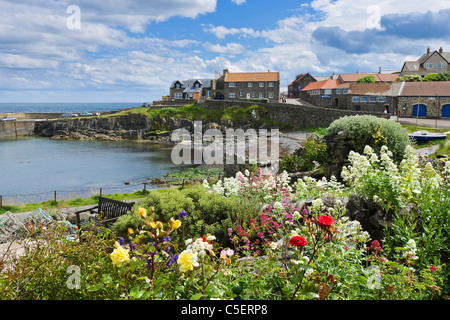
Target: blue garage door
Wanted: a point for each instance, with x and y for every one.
(422, 110)
(446, 111)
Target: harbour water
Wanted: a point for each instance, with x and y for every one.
(64, 107)
(32, 169)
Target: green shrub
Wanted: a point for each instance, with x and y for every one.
(314, 154)
(207, 212)
(367, 79)
(362, 130)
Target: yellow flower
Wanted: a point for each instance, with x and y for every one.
(176, 224)
(116, 244)
(130, 231)
(157, 224)
(142, 213)
(187, 261)
(119, 256)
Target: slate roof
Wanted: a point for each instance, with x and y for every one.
(185, 84)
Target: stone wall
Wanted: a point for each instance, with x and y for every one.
(434, 105)
(16, 129)
(294, 116)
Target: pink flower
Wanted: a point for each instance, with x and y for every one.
(433, 269)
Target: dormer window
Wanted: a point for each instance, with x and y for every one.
(430, 66)
(178, 85)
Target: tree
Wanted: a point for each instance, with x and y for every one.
(409, 78)
(366, 79)
(431, 77)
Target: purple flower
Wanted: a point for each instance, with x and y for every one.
(183, 214)
(121, 241)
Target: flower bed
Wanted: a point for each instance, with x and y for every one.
(199, 243)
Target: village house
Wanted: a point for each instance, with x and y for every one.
(429, 62)
(344, 92)
(301, 81)
(192, 89)
(248, 85)
(425, 99)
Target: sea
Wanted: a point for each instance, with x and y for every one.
(36, 169)
(64, 107)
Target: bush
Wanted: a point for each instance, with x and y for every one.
(367, 79)
(207, 212)
(313, 154)
(364, 130)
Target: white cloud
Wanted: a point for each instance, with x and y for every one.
(221, 32)
(239, 2)
(229, 48)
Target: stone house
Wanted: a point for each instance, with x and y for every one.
(301, 81)
(372, 97)
(248, 85)
(320, 93)
(429, 62)
(192, 89)
(425, 99)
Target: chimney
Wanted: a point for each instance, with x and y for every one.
(441, 50)
(379, 71)
(428, 50)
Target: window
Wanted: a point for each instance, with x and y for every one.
(232, 95)
(381, 99)
(345, 91)
(208, 94)
(338, 91)
(241, 93)
(261, 84)
(231, 85)
(250, 84)
(252, 94)
(441, 66)
(372, 99)
(355, 99)
(363, 99)
(178, 85)
(271, 95)
(178, 95)
(327, 91)
(261, 95)
(430, 65)
(271, 84)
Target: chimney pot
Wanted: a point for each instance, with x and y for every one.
(441, 50)
(428, 50)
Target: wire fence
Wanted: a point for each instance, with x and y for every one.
(58, 195)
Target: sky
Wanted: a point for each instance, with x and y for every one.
(131, 51)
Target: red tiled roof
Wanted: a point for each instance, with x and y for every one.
(379, 77)
(252, 76)
(426, 89)
(325, 84)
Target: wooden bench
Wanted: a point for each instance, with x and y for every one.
(106, 212)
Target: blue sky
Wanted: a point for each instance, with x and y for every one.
(130, 51)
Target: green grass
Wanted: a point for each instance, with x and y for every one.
(51, 204)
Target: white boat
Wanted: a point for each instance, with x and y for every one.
(424, 136)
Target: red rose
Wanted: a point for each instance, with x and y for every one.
(298, 241)
(325, 222)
